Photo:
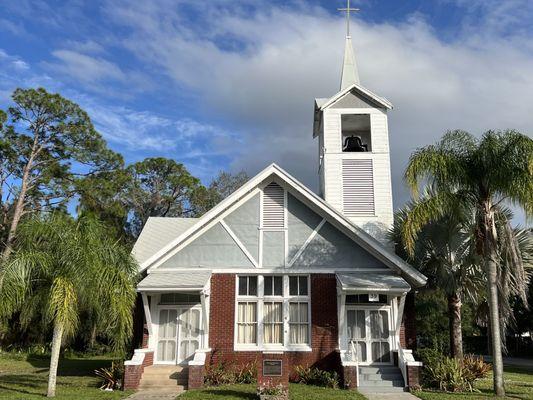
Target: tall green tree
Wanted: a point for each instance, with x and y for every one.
(445, 253)
(54, 143)
(61, 266)
(480, 174)
(159, 187)
(224, 184)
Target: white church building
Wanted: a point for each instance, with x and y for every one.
(279, 277)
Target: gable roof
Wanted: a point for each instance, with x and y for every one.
(360, 89)
(354, 232)
(157, 233)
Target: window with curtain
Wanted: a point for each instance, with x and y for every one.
(299, 322)
(273, 322)
(247, 322)
(273, 310)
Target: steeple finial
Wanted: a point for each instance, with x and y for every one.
(349, 67)
(347, 11)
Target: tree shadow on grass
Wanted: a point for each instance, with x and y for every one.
(31, 384)
(68, 366)
(229, 393)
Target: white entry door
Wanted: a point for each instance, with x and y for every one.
(178, 334)
(167, 333)
(369, 331)
(189, 336)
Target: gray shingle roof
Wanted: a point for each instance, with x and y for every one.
(175, 280)
(157, 233)
(372, 280)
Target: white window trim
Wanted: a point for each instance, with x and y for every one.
(285, 299)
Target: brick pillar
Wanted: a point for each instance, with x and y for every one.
(408, 327)
(134, 368)
(413, 375)
(196, 376)
(349, 377)
(273, 380)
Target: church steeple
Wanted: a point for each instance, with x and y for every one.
(350, 75)
(349, 67)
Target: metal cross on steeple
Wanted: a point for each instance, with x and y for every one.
(347, 10)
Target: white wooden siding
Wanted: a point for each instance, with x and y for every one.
(358, 187)
(331, 171)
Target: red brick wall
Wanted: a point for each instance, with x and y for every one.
(324, 331)
(408, 327)
(133, 373)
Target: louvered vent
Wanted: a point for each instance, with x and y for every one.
(358, 187)
(273, 207)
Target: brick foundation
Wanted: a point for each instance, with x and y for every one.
(413, 376)
(196, 376)
(349, 377)
(133, 373)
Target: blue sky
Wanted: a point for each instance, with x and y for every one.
(229, 84)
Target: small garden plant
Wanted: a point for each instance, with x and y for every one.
(316, 377)
(223, 374)
(450, 374)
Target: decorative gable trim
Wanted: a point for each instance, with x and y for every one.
(239, 243)
(360, 89)
(307, 241)
(303, 193)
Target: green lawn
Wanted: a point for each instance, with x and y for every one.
(245, 392)
(518, 385)
(26, 378)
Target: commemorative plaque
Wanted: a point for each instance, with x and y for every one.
(272, 368)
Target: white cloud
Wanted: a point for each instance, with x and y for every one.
(281, 58)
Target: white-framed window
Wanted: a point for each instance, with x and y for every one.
(299, 322)
(273, 311)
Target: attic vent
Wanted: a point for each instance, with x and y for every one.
(358, 187)
(273, 207)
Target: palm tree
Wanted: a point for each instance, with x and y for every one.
(62, 266)
(444, 252)
(480, 174)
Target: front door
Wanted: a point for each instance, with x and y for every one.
(178, 335)
(189, 336)
(369, 335)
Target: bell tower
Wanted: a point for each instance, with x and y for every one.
(353, 150)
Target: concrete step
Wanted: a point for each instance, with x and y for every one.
(381, 377)
(145, 386)
(379, 369)
(384, 384)
(370, 392)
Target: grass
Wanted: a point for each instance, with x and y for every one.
(248, 392)
(518, 385)
(26, 377)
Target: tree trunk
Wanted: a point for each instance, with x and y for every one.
(54, 359)
(456, 334)
(92, 339)
(491, 269)
(19, 209)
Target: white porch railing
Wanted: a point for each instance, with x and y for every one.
(406, 359)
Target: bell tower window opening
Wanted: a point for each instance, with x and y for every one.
(356, 133)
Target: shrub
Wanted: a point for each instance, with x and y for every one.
(271, 390)
(449, 374)
(474, 368)
(112, 377)
(222, 374)
(316, 377)
(446, 374)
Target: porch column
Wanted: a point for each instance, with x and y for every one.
(204, 300)
(147, 314)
